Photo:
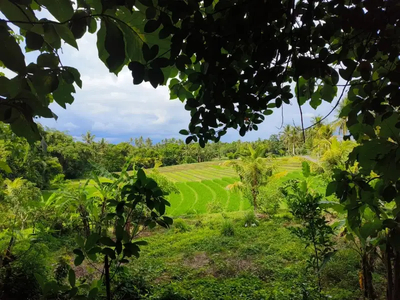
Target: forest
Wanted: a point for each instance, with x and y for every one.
(310, 212)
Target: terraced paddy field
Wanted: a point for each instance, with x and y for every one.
(203, 183)
(218, 170)
(200, 184)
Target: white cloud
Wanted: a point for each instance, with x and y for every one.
(113, 107)
(70, 126)
(308, 115)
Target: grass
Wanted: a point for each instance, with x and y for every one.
(215, 257)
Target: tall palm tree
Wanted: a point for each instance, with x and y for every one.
(291, 138)
(341, 122)
(253, 173)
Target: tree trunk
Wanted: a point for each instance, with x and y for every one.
(85, 222)
(396, 281)
(389, 290)
(107, 277)
(368, 287)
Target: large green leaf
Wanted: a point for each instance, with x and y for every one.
(66, 34)
(10, 52)
(61, 9)
(115, 46)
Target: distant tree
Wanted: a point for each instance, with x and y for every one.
(148, 142)
(291, 137)
(88, 137)
(341, 121)
(253, 172)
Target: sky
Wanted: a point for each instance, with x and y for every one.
(111, 107)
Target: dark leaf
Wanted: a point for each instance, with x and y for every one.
(48, 60)
(78, 260)
(151, 12)
(107, 241)
(71, 277)
(151, 26)
(115, 46)
(61, 9)
(10, 52)
(156, 77)
(34, 41)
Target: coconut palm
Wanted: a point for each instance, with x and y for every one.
(337, 153)
(321, 139)
(291, 137)
(341, 122)
(253, 173)
(88, 137)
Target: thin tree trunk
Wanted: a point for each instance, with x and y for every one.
(396, 283)
(107, 277)
(389, 291)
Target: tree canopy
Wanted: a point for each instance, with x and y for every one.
(232, 63)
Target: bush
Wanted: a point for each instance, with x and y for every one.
(130, 286)
(214, 207)
(18, 277)
(227, 228)
(250, 219)
(269, 199)
(181, 226)
(191, 212)
(58, 179)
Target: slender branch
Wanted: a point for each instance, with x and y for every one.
(331, 111)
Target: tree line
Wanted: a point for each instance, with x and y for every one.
(59, 154)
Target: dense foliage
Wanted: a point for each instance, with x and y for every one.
(232, 63)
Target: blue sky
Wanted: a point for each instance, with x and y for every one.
(113, 108)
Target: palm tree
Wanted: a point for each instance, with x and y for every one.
(88, 137)
(341, 122)
(321, 139)
(291, 138)
(337, 153)
(253, 173)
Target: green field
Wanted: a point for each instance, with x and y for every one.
(202, 183)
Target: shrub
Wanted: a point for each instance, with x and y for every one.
(214, 207)
(62, 268)
(191, 212)
(227, 228)
(58, 179)
(270, 198)
(18, 276)
(181, 226)
(250, 219)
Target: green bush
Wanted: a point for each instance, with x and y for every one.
(270, 199)
(250, 219)
(181, 226)
(17, 277)
(227, 228)
(130, 286)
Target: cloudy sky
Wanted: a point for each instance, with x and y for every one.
(112, 107)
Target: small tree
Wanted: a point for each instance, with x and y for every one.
(253, 173)
(314, 230)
